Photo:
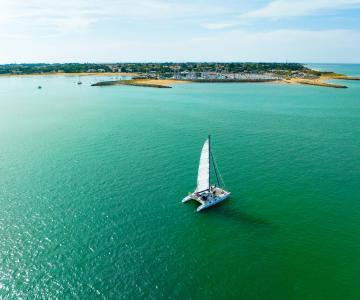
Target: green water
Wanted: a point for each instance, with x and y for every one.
(91, 182)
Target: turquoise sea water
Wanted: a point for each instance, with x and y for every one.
(347, 69)
(91, 182)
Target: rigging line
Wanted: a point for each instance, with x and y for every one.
(215, 164)
(215, 169)
(209, 154)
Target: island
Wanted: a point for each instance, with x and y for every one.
(164, 75)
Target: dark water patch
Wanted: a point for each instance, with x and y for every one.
(237, 215)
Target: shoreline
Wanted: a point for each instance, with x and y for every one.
(72, 74)
(155, 83)
(315, 82)
(167, 83)
(321, 81)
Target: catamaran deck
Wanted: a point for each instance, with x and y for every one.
(205, 196)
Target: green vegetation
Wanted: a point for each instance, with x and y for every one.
(52, 68)
(322, 73)
(160, 69)
(170, 68)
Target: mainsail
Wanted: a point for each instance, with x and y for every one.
(204, 169)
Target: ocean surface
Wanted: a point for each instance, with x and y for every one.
(92, 178)
(346, 69)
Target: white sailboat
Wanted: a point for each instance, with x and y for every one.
(205, 193)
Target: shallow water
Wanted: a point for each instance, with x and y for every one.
(91, 182)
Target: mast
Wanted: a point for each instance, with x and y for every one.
(209, 161)
(211, 157)
(215, 168)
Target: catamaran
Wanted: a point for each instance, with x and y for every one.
(205, 193)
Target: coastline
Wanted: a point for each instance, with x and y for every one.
(316, 82)
(71, 74)
(167, 83)
(155, 83)
(321, 80)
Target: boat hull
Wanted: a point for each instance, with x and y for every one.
(209, 201)
(212, 202)
(187, 198)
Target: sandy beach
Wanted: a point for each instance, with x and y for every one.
(317, 82)
(155, 83)
(163, 82)
(321, 81)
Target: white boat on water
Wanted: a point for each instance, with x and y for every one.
(205, 193)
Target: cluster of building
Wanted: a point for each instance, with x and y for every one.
(225, 76)
(187, 75)
(242, 76)
(299, 74)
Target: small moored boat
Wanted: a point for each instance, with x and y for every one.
(205, 193)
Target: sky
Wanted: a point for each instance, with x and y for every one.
(179, 30)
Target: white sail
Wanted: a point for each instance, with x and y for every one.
(203, 172)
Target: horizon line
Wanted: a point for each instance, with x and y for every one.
(176, 62)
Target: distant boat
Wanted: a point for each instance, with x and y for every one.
(79, 82)
(205, 193)
(39, 87)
